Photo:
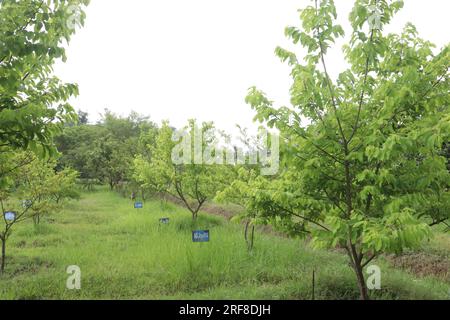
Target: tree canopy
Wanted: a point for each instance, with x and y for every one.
(33, 102)
(366, 172)
(191, 182)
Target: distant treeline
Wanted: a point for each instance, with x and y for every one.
(103, 152)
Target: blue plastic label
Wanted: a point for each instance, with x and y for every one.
(200, 236)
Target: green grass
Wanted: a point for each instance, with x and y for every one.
(124, 253)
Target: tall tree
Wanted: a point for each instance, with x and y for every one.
(364, 172)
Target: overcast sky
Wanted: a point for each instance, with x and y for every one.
(181, 59)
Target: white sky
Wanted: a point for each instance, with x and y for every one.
(181, 59)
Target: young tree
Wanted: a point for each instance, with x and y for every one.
(10, 213)
(365, 170)
(243, 174)
(30, 188)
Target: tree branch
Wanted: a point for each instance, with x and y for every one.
(363, 91)
(329, 85)
(303, 217)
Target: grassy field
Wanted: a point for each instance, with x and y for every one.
(124, 253)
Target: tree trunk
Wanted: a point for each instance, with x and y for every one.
(2, 267)
(362, 286)
(252, 237)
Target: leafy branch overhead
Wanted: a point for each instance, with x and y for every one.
(33, 102)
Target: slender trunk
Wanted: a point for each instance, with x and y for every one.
(196, 211)
(36, 219)
(355, 258)
(314, 285)
(358, 268)
(362, 286)
(2, 267)
(246, 232)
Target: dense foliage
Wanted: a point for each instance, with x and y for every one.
(30, 189)
(193, 181)
(33, 102)
(367, 172)
(33, 107)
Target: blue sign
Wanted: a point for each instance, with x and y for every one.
(164, 220)
(200, 236)
(10, 216)
(138, 205)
